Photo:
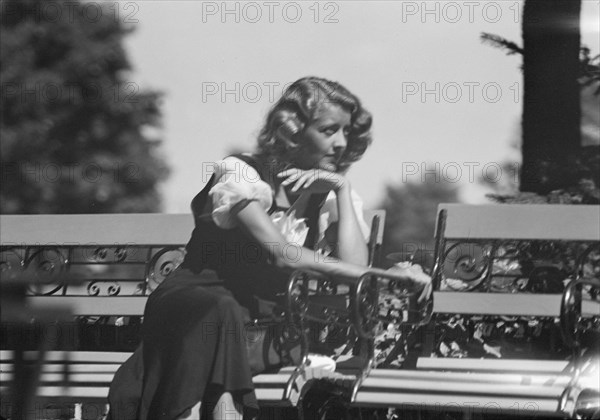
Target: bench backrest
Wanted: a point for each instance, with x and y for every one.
(110, 229)
(521, 221)
(489, 249)
(120, 257)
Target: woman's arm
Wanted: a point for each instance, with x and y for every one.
(351, 244)
(255, 221)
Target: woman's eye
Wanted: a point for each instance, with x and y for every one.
(329, 131)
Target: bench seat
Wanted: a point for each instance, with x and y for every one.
(88, 374)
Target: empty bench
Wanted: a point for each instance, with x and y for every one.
(507, 267)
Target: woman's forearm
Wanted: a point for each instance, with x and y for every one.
(287, 255)
(256, 222)
(350, 242)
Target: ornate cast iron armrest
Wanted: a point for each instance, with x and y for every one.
(355, 305)
(585, 366)
(570, 310)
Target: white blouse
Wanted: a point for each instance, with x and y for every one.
(236, 181)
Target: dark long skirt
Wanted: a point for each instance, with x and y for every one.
(193, 350)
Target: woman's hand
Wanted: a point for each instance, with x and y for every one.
(313, 180)
(416, 275)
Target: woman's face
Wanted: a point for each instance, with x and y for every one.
(324, 140)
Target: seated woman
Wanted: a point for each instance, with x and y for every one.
(259, 217)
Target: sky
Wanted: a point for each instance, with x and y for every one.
(439, 96)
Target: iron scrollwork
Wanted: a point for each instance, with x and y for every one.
(48, 266)
(510, 266)
(112, 289)
(163, 263)
(465, 265)
(365, 306)
(11, 260)
(571, 321)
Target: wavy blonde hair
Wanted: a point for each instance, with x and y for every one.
(295, 110)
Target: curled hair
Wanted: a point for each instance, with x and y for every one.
(296, 109)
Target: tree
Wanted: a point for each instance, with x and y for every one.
(76, 134)
(561, 113)
(551, 102)
(411, 210)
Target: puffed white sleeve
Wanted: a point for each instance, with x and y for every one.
(236, 182)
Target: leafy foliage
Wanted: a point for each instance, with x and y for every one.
(589, 73)
(76, 134)
(585, 187)
(502, 43)
(590, 69)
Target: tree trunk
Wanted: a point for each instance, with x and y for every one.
(551, 104)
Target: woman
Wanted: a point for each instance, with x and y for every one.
(251, 220)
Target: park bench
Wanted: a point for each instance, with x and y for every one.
(100, 267)
(506, 264)
(481, 253)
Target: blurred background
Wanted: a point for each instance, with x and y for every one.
(123, 106)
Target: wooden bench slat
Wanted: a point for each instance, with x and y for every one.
(73, 391)
(590, 308)
(514, 379)
(491, 365)
(110, 229)
(91, 378)
(270, 379)
(98, 357)
(510, 304)
(96, 229)
(92, 305)
(98, 392)
(441, 386)
(273, 395)
(72, 368)
(525, 221)
(492, 404)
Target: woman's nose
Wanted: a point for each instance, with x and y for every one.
(340, 140)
